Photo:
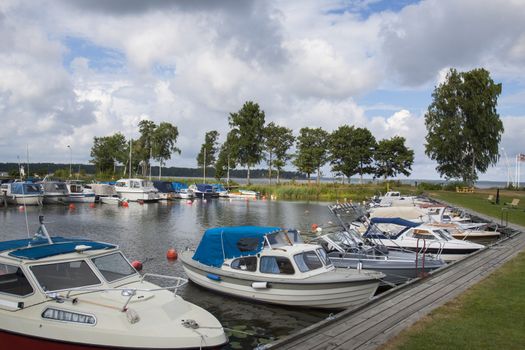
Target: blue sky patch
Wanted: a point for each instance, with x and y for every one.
(365, 8)
(100, 58)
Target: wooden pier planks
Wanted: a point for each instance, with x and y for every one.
(371, 325)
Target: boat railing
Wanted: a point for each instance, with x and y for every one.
(128, 292)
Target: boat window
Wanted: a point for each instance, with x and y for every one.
(324, 257)
(135, 184)
(248, 263)
(423, 234)
(307, 261)
(276, 264)
(120, 184)
(72, 274)
(295, 236)
(60, 187)
(13, 281)
(113, 266)
(32, 189)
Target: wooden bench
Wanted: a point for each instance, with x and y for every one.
(514, 203)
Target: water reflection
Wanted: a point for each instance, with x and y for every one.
(145, 232)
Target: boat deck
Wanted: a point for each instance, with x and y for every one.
(373, 324)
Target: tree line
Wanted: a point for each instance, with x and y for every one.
(464, 131)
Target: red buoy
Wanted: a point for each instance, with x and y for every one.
(21, 208)
(171, 254)
(189, 202)
(314, 227)
(71, 206)
(125, 204)
(91, 205)
(137, 265)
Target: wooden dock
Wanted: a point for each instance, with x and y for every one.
(373, 324)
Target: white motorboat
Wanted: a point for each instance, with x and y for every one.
(55, 191)
(106, 193)
(204, 191)
(244, 194)
(136, 190)
(271, 264)
(182, 191)
(22, 193)
(423, 239)
(166, 191)
(78, 193)
(63, 293)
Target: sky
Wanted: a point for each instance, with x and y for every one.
(74, 69)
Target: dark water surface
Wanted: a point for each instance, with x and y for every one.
(145, 232)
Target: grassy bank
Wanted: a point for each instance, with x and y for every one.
(325, 192)
(478, 201)
(488, 316)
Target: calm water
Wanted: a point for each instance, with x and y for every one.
(145, 232)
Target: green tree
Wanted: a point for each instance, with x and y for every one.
(210, 148)
(164, 142)
(101, 154)
(248, 126)
(227, 158)
(463, 125)
(278, 140)
(392, 157)
(144, 148)
(312, 151)
(352, 151)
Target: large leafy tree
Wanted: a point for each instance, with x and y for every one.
(227, 158)
(164, 140)
(210, 148)
(352, 151)
(392, 157)
(278, 140)
(464, 127)
(144, 147)
(312, 151)
(108, 151)
(248, 127)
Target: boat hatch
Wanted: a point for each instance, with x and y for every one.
(44, 251)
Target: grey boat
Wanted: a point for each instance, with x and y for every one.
(346, 248)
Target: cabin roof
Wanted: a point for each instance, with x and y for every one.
(39, 248)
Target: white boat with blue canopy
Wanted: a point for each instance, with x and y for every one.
(22, 193)
(75, 293)
(274, 265)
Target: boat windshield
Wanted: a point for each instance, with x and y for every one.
(307, 261)
(67, 275)
(13, 281)
(113, 266)
(324, 257)
(289, 237)
(32, 188)
(443, 235)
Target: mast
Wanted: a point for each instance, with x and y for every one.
(130, 144)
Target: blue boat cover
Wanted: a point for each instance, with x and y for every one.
(395, 221)
(222, 243)
(31, 242)
(204, 188)
(163, 186)
(25, 188)
(44, 251)
(177, 186)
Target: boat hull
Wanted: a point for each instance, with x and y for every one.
(81, 199)
(20, 341)
(335, 295)
(55, 198)
(139, 196)
(25, 199)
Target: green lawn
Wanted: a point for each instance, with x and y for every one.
(478, 202)
(490, 315)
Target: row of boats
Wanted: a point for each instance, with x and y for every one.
(50, 191)
(77, 293)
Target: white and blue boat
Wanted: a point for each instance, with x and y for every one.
(204, 191)
(74, 293)
(78, 193)
(22, 193)
(274, 265)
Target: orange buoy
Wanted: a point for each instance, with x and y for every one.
(314, 227)
(171, 254)
(137, 265)
(71, 206)
(125, 204)
(91, 205)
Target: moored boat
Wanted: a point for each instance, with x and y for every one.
(65, 293)
(203, 191)
(78, 193)
(166, 191)
(136, 190)
(55, 191)
(271, 264)
(22, 193)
